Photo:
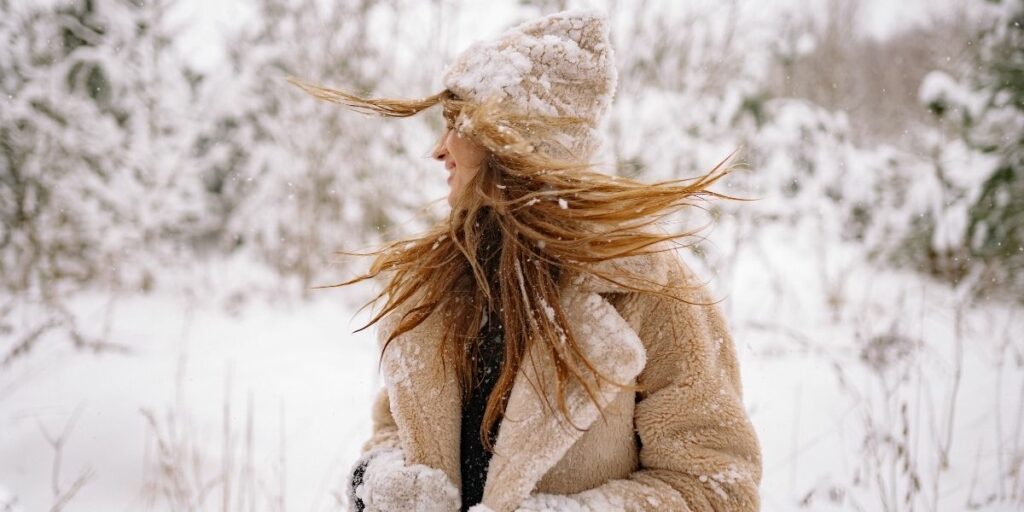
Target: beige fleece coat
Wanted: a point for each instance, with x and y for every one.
(683, 442)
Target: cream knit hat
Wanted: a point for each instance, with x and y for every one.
(560, 65)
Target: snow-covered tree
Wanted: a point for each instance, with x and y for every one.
(97, 182)
(985, 108)
(94, 145)
(291, 179)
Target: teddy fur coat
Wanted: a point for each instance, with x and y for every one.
(682, 442)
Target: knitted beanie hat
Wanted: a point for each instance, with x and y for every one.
(558, 65)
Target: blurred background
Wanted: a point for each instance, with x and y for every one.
(170, 203)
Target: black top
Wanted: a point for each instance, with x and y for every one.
(474, 457)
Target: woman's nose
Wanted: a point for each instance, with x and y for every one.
(439, 149)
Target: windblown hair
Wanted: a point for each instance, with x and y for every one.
(510, 240)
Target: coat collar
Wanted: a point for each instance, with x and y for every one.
(426, 402)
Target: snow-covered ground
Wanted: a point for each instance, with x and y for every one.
(856, 403)
(842, 427)
(295, 368)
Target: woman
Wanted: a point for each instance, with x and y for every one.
(544, 348)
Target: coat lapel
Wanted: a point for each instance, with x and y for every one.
(426, 401)
(530, 440)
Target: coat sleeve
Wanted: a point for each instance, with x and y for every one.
(385, 431)
(698, 449)
(384, 437)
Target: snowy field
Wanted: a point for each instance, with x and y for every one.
(280, 390)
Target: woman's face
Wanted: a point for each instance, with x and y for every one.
(462, 158)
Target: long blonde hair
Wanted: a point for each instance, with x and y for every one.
(521, 222)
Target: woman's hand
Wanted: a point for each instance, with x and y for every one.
(388, 484)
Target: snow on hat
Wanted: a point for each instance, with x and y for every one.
(558, 65)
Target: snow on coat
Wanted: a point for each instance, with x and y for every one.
(682, 442)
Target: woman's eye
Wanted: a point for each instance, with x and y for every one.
(449, 119)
